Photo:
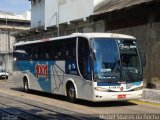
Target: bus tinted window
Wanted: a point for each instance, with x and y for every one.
(21, 53)
(83, 58)
(51, 50)
(58, 49)
(70, 48)
(64, 49)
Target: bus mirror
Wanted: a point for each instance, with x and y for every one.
(143, 57)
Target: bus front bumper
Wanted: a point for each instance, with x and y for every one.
(116, 96)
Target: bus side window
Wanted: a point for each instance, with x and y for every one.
(36, 54)
(44, 51)
(47, 56)
(48, 51)
(20, 53)
(69, 48)
(30, 52)
(58, 49)
(83, 58)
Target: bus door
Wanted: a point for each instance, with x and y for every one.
(84, 68)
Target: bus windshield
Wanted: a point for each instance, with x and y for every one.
(116, 60)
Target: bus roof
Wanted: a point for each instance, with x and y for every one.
(104, 35)
(86, 35)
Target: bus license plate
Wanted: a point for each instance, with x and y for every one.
(121, 96)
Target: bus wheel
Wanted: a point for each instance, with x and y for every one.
(26, 88)
(71, 93)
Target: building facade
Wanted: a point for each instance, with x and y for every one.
(9, 25)
(47, 13)
(61, 17)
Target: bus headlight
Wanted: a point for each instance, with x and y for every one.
(101, 89)
(138, 88)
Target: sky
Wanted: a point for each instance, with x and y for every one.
(15, 6)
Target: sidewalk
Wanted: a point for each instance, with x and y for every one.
(8, 80)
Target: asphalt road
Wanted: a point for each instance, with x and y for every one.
(50, 106)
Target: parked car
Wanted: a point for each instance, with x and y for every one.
(3, 74)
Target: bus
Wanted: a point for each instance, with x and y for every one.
(89, 66)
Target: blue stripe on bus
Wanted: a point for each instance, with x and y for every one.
(137, 83)
(107, 84)
(118, 84)
(30, 66)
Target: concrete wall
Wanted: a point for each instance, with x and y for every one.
(38, 14)
(148, 38)
(151, 95)
(98, 26)
(73, 10)
(6, 48)
(6, 61)
(51, 12)
(3, 41)
(6, 41)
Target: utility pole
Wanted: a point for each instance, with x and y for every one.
(57, 18)
(6, 45)
(5, 51)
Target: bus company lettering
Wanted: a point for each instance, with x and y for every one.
(41, 71)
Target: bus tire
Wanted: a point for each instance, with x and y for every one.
(71, 93)
(26, 87)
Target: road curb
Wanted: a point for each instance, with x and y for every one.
(145, 102)
(7, 81)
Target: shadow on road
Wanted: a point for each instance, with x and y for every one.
(79, 102)
(105, 104)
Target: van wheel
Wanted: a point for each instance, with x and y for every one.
(71, 93)
(26, 87)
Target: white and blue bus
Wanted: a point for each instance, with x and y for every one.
(90, 66)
